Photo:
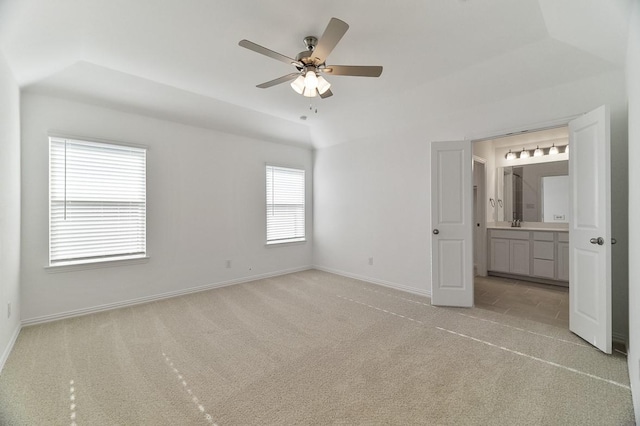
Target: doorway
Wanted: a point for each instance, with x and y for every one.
(530, 280)
(528, 251)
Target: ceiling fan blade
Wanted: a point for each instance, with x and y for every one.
(326, 94)
(354, 70)
(329, 39)
(267, 52)
(279, 80)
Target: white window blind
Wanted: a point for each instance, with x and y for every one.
(97, 201)
(285, 205)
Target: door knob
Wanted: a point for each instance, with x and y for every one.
(599, 241)
(436, 232)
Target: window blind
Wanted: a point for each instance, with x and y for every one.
(285, 205)
(97, 201)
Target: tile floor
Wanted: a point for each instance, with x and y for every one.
(548, 304)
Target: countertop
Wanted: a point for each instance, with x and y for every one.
(525, 227)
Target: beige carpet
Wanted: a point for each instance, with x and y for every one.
(308, 348)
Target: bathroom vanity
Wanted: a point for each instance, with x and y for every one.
(529, 253)
(533, 195)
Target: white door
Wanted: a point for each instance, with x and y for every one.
(590, 229)
(451, 224)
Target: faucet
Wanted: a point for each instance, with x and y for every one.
(516, 223)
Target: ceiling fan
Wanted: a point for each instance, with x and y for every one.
(310, 64)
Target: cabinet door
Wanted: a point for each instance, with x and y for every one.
(499, 254)
(519, 262)
(544, 268)
(563, 261)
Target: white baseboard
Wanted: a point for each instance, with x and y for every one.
(634, 376)
(383, 283)
(9, 348)
(147, 299)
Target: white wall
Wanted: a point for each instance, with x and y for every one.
(633, 87)
(205, 205)
(372, 200)
(9, 208)
(372, 195)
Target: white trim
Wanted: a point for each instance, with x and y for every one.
(89, 169)
(292, 241)
(481, 268)
(65, 135)
(95, 264)
(292, 235)
(382, 283)
(284, 166)
(633, 382)
(161, 296)
(552, 124)
(479, 159)
(9, 348)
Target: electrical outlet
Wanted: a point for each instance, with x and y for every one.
(371, 261)
(228, 264)
(9, 310)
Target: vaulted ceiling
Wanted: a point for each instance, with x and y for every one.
(180, 60)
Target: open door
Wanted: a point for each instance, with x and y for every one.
(590, 228)
(452, 224)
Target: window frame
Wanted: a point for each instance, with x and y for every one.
(102, 260)
(289, 240)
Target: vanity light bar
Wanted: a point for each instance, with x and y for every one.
(537, 152)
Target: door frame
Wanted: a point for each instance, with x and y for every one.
(481, 196)
(546, 125)
(608, 335)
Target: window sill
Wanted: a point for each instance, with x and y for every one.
(286, 242)
(95, 264)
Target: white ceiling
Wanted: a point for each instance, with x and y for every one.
(180, 60)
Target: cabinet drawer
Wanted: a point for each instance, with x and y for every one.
(543, 250)
(543, 268)
(514, 235)
(543, 236)
(563, 237)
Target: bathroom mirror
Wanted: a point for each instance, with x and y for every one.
(533, 192)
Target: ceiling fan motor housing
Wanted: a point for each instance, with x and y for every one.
(305, 57)
(310, 42)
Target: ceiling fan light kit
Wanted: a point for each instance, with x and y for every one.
(310, 64)
(311, 84)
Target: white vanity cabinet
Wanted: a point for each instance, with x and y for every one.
(509, 251)
(533, 255)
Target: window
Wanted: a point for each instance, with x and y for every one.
(285, 205)
(97, 202)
